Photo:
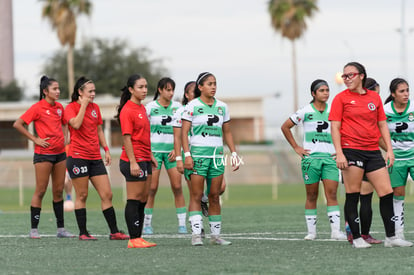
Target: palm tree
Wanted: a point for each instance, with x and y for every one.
(288, 17)
(62, 16)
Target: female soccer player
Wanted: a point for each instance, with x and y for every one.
(49, 154)
(400, 120)
(208, 119)
(367, 190)
(160, 113)
(85, 161)
(317, 158)
(357, 122)
(136, 157)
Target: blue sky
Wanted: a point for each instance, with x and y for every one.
(234, 40)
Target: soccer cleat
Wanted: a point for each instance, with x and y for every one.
(140, 243)
(63, 233)
(204, 208)
(182, 229)
(196, 240)
(87, 237)
(34, 234)
(118, 236)
(338, 235)
(348, 233)
(360, 243)
(148, 230)
(218, 241)
(396, 242)
(310, 237)
(369, 239)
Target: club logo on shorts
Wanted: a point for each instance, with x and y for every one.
(141, 174)
(59, 112)
(93, 113)
(371, 106)
(75, 170)
(306, 176)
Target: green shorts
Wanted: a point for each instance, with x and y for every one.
(315, 169)
(163, 157)
(207, 167)
(399, 172)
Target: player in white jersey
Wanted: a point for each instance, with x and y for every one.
(160, 114)
(317, 158)
(400, 120)
(208, 119)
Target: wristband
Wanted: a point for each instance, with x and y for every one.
(187, 154)
(106, 149)
(178, 158)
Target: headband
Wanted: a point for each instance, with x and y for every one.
(202, 76)
(320, 84)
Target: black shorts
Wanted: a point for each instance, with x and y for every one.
(367, 160)
(78, 168)
(146, 169)
(49, 158)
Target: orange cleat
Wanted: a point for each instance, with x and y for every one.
(140, 243)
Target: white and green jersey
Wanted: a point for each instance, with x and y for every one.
(161, 118)
(206, 138)
(316, 130)
(401, 128)
(177, 117)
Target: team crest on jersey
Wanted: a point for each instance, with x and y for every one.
(371, 106)
(93, 113)
(220, 111)
(410, 116)
(59, 112)
(174, 111)
(75, 170)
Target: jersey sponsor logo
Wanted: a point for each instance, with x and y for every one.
(156, 111)
(310, 117)
(48, 112)
(352, 102)
(371, 106)
(400, 126)
(322, 125)
(59, 112)
(93, 113)
(212, 119)
(165, 119)
(200, 111)
(140, 116)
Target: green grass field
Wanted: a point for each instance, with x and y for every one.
(267, 238)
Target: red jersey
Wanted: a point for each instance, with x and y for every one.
(84, 142)
(359, 115)
(134, 122)
(48, 120)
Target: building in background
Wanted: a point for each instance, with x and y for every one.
(6, 42)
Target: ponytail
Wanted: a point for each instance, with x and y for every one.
(79, 85)
(44, 83)
(126, 94)
(393, 88)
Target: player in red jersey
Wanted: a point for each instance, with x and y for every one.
(85, 161)
(358, 121)
(136, 159)
(49, 154)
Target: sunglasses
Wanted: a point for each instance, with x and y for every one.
(349, 76)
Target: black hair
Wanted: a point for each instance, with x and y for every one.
(44, 83)
(162, 84)
(126, 94)
(79, 85)
(316, 85)
(360, 68)
(370, 84)
(393, 87)
(200, 81)
(186, 90)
